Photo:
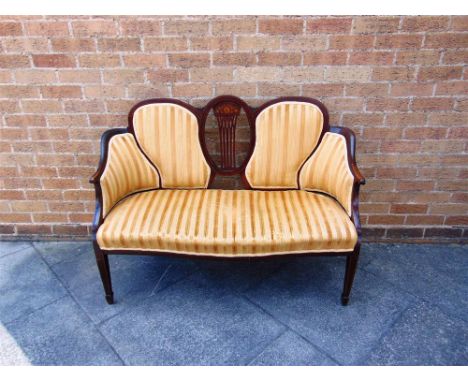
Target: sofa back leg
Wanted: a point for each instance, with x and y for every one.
(351, 265)
(102, 261)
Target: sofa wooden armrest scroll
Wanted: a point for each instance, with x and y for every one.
(154, 184)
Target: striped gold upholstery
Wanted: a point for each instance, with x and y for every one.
(228, 223)
(127, 170)
(286, 134)
(168, 134)
(328, 170)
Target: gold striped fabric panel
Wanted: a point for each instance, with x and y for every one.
(127, 170)
(286, 134)
(168, 134)
(228, 223)
(327, 170)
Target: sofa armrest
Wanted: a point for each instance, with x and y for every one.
(332, 169)
(123, 169)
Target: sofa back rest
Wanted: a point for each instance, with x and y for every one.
(286, 134)
(168, 134)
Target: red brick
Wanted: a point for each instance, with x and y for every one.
(442, 232)
(25, 46)
(434, 103)
(446, 40)
(185, 27)
(457, 220)
(460, 23)
(35, 76)
(455, 56)
(329, 25)
(210, 74)
(138, 27)
(139, 92)
(425, 132)
(34, 229)
(272, 90)
(243, 59)
(152, 61)
(393, 73)
(53, 60)
(411, 89)
(399, 41)
(192, 90)
(258, 43)
(418, 57)
(14, 61)
(61, 91)
(376, 24)
(280, 26)
(73, 44)
(168, 75)
(47, 28)
(367, 90)
(351, 42)
(10, 28)
(387, 104)
(371, 58)
(165, 44)
(25, 120)
(79, 76)
(408, 209)
(237, 89)
(99, 60)
(425, 23)
(267, 58)
(189, 60)
(452, 88)
(234, 25)
(94, 28)
(212, 43)
(319, 90)
(404, 233)
(119, 45)
(7, 91)
(440, 73)
(325, 58)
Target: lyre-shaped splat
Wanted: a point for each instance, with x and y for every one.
(226, 115)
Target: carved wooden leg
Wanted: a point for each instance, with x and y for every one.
(103, 265)
(351, 265)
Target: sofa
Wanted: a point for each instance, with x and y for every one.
(300, 196)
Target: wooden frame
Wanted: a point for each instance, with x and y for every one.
(251, 113)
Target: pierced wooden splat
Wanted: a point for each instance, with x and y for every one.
(226, 114)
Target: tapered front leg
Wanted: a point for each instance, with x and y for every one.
(351, 266)
(104, 270)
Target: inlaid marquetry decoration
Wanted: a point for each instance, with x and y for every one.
(226, 114)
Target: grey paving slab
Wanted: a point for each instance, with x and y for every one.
(61, 334)
(448, 260)
(133, 278)
(237, 276)
(423, 335)
(408, 306)
(190, 323)
(305, 296)
(54, 252)
(26, 284)
(7, 247)
(291, 350)
(422, 280)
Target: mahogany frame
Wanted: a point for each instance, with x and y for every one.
(251, 113)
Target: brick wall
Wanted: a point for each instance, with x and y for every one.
(400, 83)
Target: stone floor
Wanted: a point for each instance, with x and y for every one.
(409, 306)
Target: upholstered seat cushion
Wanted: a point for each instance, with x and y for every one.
(228, 223)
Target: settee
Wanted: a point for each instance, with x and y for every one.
(155, 195)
